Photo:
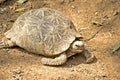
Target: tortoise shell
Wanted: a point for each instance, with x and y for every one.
(43, 31)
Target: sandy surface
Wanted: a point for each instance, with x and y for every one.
(18, 64)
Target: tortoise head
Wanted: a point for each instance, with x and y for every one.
(77, 46)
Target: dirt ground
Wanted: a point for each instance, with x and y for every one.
(18, 64)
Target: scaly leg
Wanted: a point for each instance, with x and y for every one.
(89, 56)
(61, 59)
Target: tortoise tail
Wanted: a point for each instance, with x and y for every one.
(2, 45)
(6, 43)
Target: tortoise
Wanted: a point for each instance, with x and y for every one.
(47, 32)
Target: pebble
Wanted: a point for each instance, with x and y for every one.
(73, 7)
(96, 13)
(3, 10)
(17, 74)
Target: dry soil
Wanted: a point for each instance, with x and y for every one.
(18, 64)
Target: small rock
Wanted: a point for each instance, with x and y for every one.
(73, 7)
(116, 13)
(96, 13)
(17, 74)
(78, 12)
(3, 10)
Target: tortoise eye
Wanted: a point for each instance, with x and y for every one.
(77, 45)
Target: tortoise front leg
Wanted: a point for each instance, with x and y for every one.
(61, 59)
(89, 56)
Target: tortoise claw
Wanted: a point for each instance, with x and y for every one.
(90, 59)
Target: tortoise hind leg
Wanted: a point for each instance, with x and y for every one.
(61, 59)
(6, 43)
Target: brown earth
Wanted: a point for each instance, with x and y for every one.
(17, 64)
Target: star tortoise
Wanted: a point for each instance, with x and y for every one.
(47, 32)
